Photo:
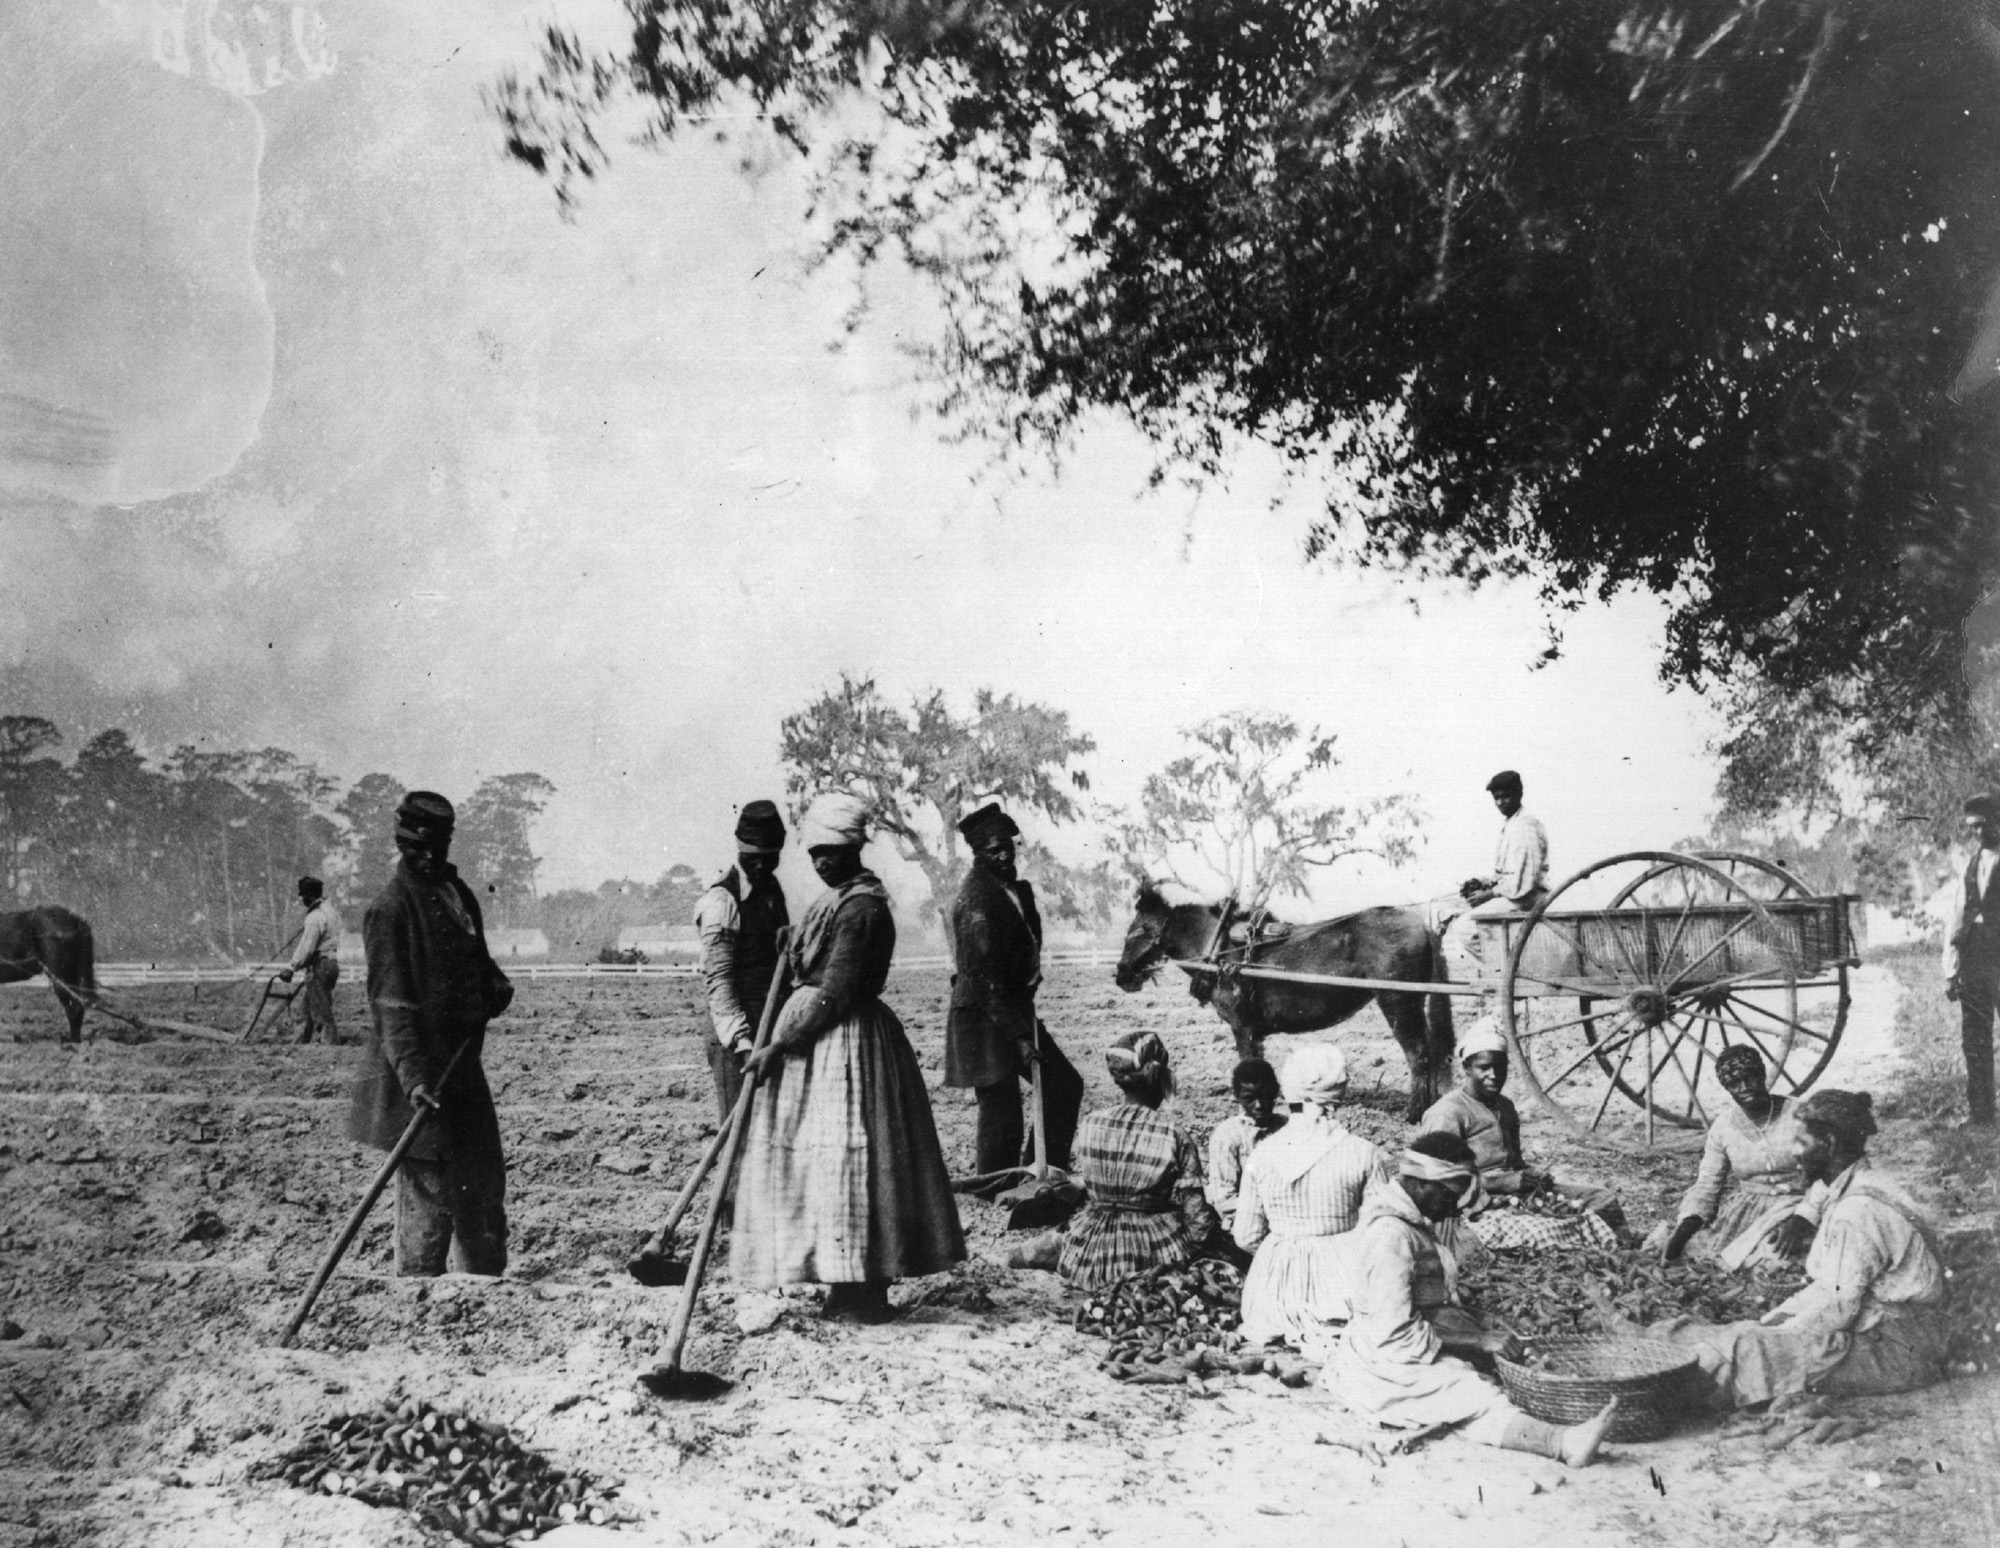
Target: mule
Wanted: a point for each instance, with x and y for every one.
(1381, 943)
(56, 942)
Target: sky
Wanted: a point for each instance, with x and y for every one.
(319, 428)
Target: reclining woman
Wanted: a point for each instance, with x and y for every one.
(1142, 1172)
(1301, 1199)
(1398, 1362)
(1755, 1143)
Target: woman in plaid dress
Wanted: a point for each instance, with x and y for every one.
(843, 1182)
(1143, 1173)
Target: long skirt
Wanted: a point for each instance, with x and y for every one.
(1413, 1395)
(1297, 1285)
(1106, 1243)
(843, 1179)
(1754, 1362)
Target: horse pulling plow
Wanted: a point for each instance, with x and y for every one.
(1625, 981)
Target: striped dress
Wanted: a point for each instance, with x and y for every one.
(1300, 1201)
(1146, 1210)
(843, 1180)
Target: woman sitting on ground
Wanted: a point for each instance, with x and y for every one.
(1302, 1193)
(1477, 1112)
(1254, 1084)
(1398, 1362)
(1871, 1318)
(1754, 1142)
(1142, 1172)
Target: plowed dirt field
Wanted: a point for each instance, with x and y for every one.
(162, 1203)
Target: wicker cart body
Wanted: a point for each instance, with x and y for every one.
(1632, 976)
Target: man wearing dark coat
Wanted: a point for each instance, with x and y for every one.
(991, 1037)
(739, 918)
(432, 987)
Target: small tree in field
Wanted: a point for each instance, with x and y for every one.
(923, 769)
(1246, 808)
(492, 848)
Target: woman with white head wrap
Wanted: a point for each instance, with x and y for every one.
(1302, 1193)
(1478, 1112)
(843, 1181)
(1399, 1361)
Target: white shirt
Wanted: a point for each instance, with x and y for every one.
(1521, 864)
(1987, 859)
(319, 936)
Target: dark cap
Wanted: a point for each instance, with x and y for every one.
(311, 887)
(1849, 1113)
(987, 820)
(424, 814)
(759, 829)
(1506, 779)
(1985, 804)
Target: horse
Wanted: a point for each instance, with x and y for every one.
(1381, 943)
(56, 942)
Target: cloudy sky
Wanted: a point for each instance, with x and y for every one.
(319, 428)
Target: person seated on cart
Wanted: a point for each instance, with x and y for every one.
(1519, 881)
(1871, 1318)
(1302, 1197)
(1254, 1084)
(1400, 1361)
(1142, 1172)
(1753, 1143)
(1477, 1111)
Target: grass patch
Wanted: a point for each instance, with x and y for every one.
(1933, 1092)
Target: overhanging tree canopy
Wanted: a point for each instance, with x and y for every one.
(1659, 294)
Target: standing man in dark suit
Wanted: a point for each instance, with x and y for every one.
(991, 1037)
(1972, 956)
(432, 987)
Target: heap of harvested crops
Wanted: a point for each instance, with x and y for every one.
(1972, 1264)
(1168, 1324)
(455, 1474)
(1588, 1290)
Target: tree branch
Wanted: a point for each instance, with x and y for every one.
(1829, 24)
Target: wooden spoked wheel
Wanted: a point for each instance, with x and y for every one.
(1625, 983)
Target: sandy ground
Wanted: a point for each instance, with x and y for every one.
(147, 1383)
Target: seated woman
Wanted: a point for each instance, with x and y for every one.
(1398, 1362)
(1754, 1143)
(1871, 1318)
(1254, 1084)
(1476, 1112)
(1301, 1198)
(1143, 1175)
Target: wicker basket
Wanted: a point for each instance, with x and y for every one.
(1652, 1379)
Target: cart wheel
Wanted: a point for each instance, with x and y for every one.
(1791, 1064)
(1635, 973)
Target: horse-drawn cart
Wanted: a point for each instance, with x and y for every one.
(1629, 978)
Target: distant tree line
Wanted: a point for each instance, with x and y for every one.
(198, 854)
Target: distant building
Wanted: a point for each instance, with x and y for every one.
(661, 941)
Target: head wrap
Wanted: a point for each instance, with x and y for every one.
(1985, 804)
(835, 818)
(1850, 1114)
(989, 819)
(759, 829)
(1738, 1058)
(1139, 1063)
(1482, 1037)
(424, 814)
(1506, 779)
(1414, 1163)
(1317, 1073)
